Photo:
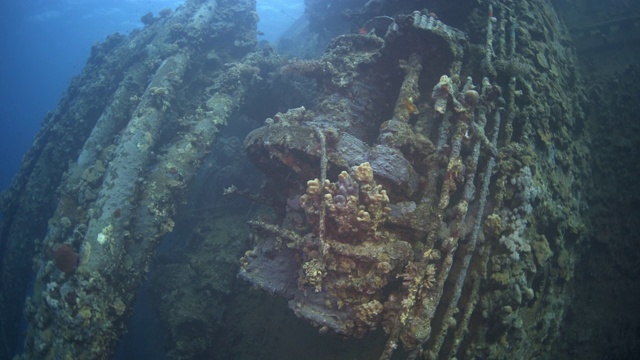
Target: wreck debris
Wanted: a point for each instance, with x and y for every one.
(439, 222)
(393, 209)
(121, 195)
(409, 93)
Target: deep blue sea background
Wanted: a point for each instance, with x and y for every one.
(44, 43)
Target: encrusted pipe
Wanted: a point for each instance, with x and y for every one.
(489, 52)
(409, 92)
(323, 179)
(471, 245)
(105, 236)
(132, 198)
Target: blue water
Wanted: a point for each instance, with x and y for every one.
(44, 43)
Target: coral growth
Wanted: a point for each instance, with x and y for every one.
(349, 260)
(516, 219)
(434, 236)
(354, 207)
(65, 258)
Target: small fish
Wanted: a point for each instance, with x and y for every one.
(363, 31)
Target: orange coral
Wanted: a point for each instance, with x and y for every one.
(410, 106)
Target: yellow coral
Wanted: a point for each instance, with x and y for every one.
(313, 186)
(369, 313)
(314, 272)
(493, 225)
(106, 235)
(409, 106)
(364, 173)
(363, 216)
(119, 306)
